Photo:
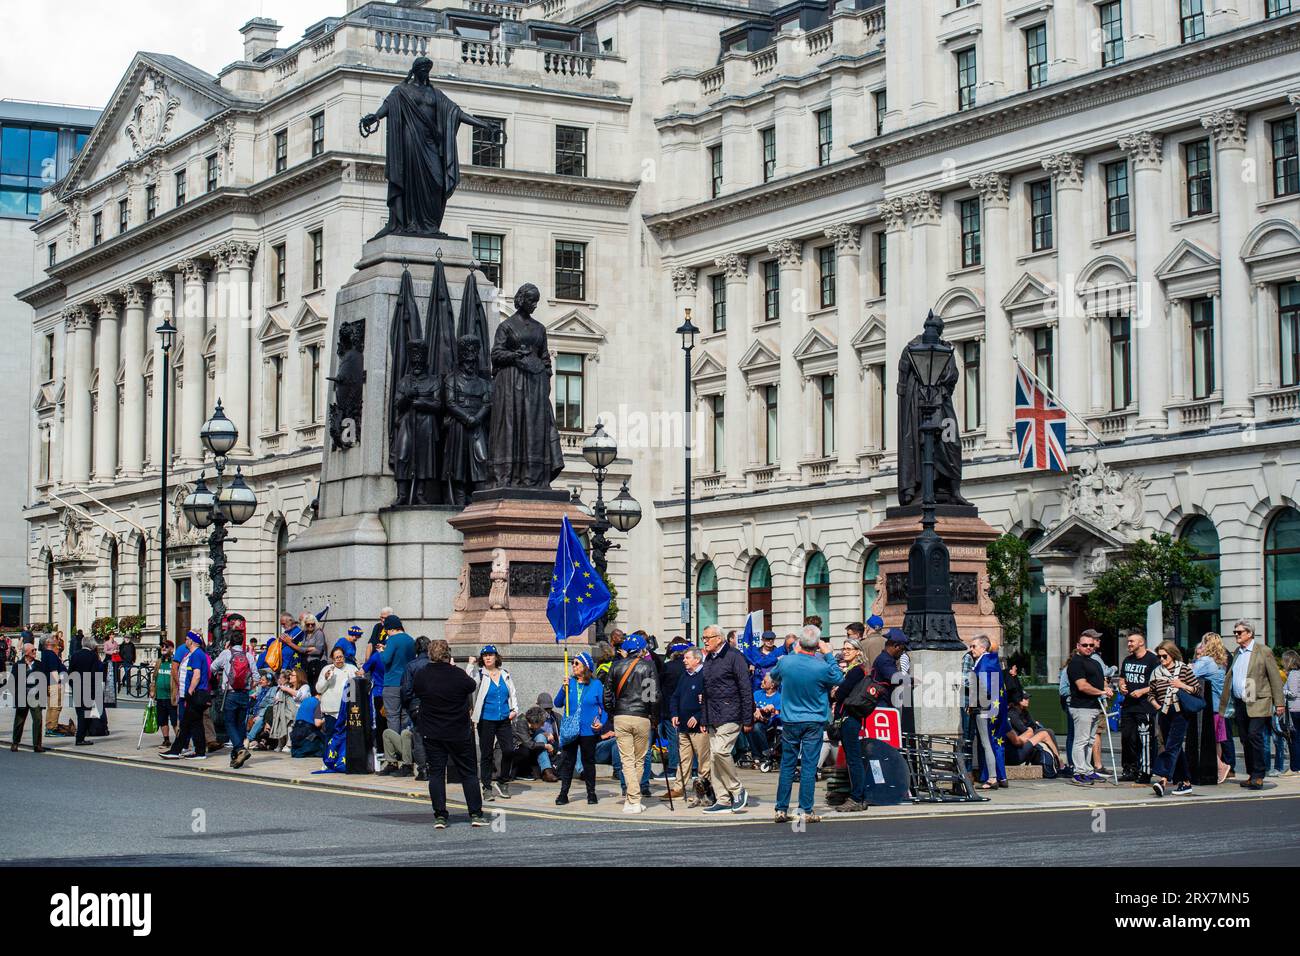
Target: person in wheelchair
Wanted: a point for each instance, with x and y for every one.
(765, 737)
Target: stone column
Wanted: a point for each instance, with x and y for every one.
(991, 79)
(1150, 317)
(1097, 335)
(238, 257)
(78, 370)
(898, 310)
(1072, 372)
(1063, 43)
(789, 254)
(735, 405)
(1058, 640)
(159, 444)
(1234, 378)
(133, 346)
(1265, 362)
(923, 218)
(848, 370)
(998, 381)
(110, 346)
(193, 327)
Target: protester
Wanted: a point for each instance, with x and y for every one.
(313, 646)
(685, 710)
(1170, 684)
(237, 665)
(764, 657)
(197, 697)
(1088, 690)
(289, 637)
(260, 709)
(805, 678)
(307, 737)
(330, 685)
(991, 720)
(445, 694)
(582, 696)
(534, 749)
(397, 651)
(851, 726)
(767, 720)
(1256, 696)
(728, 710)
(349, 644)
(1137, 714)
(28, 687)
(495, 705)
(409, 706)
(631, 696)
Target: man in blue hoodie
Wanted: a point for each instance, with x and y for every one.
(805, 678)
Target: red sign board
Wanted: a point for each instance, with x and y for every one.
(884, 723)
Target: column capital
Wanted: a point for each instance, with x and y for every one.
(161, 283)
(193, 270)
(132, 296)
(893, 213)
(847, 236)
(1066, 169)
(994, 188)
(234, 254)
(1228, 127)
(734, 265)
(1144, 149)
(1294, 99)
(684, 280)
(75, 318)
(789, 252)
(106, 307)
(922, 208)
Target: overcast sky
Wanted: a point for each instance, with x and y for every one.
(75, 51)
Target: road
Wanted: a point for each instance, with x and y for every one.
(61, 810)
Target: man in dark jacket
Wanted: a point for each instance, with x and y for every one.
(685, 711)
(409, 707)
(632, 696)
(728, 709)
(86, 680)
(444, 693)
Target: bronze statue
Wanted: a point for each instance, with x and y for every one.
(417, 405)
(345, 410)
(467, 403)
(947, 441)
(420, 162)
(524, 446)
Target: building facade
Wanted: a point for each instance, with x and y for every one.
(1105, 191)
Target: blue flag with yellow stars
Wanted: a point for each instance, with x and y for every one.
(578, 595)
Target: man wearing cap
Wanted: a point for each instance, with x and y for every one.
(197, 696)
(235, 709)
(728, 709)
(673, 671)
(632, 697)
(1088, 691)
(349, 644)
(764, 657)
(398, 650)
(873, 641)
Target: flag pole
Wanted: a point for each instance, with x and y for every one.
(1056, 398)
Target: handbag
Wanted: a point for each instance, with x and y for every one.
(275, 655)
(1190, 703)
(571, 723)
(151, 718)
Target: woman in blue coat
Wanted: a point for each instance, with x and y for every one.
(991, 715)
(582, 696)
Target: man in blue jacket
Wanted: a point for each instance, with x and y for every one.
(805, 678)
(685, 711)
(397, 652)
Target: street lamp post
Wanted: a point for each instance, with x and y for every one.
(167, 333)
(687, 331)
(929, 622)
(1177, 594)
(599, 449)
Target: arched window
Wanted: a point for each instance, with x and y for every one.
(112, 578)
(870, 571)
(1282, 576)
(1036, 611)
(760, 590)
(1201, 614)
(141, 575)
(706, 597)
(281, 568)
(817, 590)
(49, 591)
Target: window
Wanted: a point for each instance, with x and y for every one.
(759, 594)
(718, 289)
(1202, 322)
(773, 445)
(882, 261)
(282, 566)
(281, 150)
(970, 365)
(570, 151)
(486, 148)
(1120, 362)
(316, 239)
(141, 575)
(123, 216)
(489, 250)
(150, 202)
(769, 153)
(1117, 204)
(827, 383)
(715, 170)
(1192, 20)
(317, 134)
(212, 172)
(969, 213)
(1276, 8)
(278, 260)
(313, 357)
(718, 405)
(880, 98)
(771, 291)
(1036, 56)
(1200, 195)
(96, 228)
(52, 253)
(277, 393)
(28, 164)
(1040, 214)
(571, 270)
(966, 78)
(1286, 160)
(823, 137)
(870, 572)
(1043, 364)
(1288, 317)
(1112, 33)
(1201, 611)
(1282, 576)
(706, 597)
(817, 591)
(112, 577)
(568, 391)
(826, 272)
(47, 358)
(180, 187)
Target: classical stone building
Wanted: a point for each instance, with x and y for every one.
(1105, 190)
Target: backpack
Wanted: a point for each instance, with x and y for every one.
(239, 670)
(864, 697)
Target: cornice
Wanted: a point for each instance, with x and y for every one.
(42, 293)
(535, 185)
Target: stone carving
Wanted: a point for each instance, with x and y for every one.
(180, 533)
(1144, 149)
(684, 280)
(76, 544)
(789, 252)
(1105, 498)
(530, 578)
(882, 596)
(345, 410)
(499, 595)
(923, 208)
(734, 265)
(461, 601)
(1098, 561)
(993, 188)
(76, 208)
(1228, 128)
(893, 212)
(225, 150)
(985, 599)
(847, 237)
(151, 116)
(1066, 169)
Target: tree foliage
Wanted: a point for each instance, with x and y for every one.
(1122, 593)
(1008, 570)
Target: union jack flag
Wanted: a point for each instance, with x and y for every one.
(1040, 426)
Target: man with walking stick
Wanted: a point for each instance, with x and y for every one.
(1088, 693)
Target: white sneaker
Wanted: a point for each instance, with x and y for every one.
(634, 808)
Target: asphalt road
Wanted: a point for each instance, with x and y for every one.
(58, 810)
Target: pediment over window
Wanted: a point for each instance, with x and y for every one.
(707, 373)
(1031, 294)
(273, 330)
(814, 345)
(1272, 251)
(1190, 269)
(47, 398)
(758, 358)
(310, 319)
(576, 325)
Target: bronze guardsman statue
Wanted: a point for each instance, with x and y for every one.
(947, 443)
(418, 406)
(467, 403)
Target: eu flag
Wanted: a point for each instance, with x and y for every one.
(578, 595)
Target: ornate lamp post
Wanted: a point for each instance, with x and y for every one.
(600, 450)
(687, 331)
(167, 335)
(1177, 595)
(929, 621)
(234, 502)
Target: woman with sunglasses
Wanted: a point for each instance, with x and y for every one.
(1169, 682)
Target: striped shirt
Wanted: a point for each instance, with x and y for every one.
(1163, 693)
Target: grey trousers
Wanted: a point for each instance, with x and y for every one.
(1085, 727)
(399, 720)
